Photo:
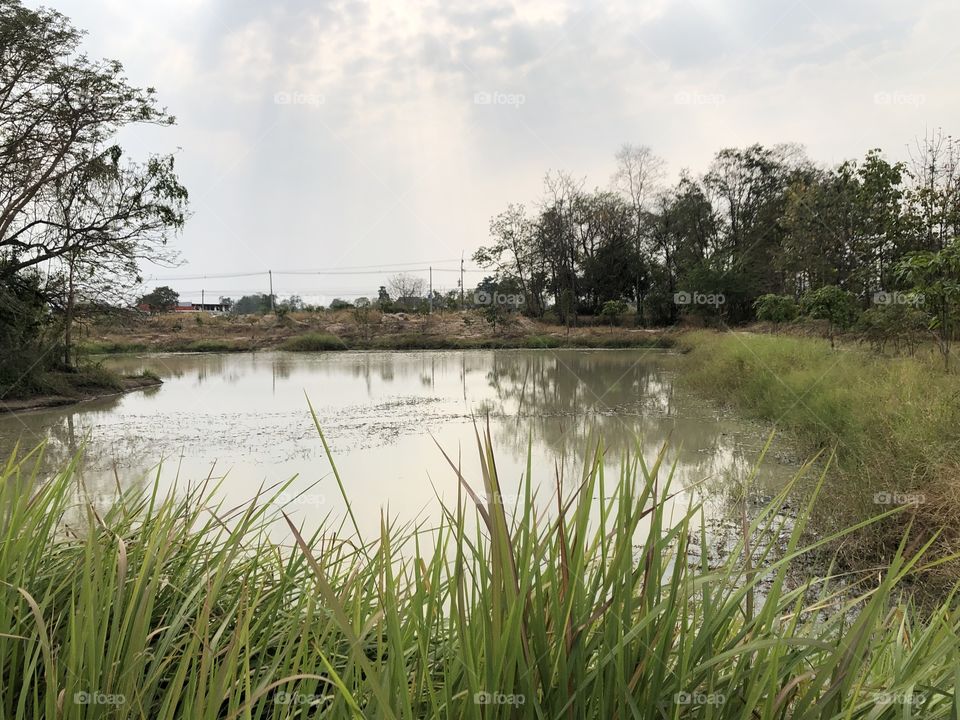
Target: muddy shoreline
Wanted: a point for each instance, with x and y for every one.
(41, 402)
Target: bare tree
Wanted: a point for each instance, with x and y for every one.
(639, 178)
(639, 175)
(935, 198)
(403, 286)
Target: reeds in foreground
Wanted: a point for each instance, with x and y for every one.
(176, 606)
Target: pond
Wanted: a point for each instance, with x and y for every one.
(386, 416)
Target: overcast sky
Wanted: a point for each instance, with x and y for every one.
(319, 135)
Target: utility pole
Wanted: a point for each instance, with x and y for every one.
(431, 289)
(461, 280)
(272, 308)
(201, 299)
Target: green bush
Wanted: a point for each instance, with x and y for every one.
(899, 325)
(775, 308)
(836, 305)
(313, 342)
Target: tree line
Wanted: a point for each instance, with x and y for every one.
(761, 222)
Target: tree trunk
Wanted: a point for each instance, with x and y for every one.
(68, 322)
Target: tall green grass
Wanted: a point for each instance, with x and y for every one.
(895, 424)
(180, 607)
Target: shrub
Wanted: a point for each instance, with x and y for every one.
(313, 342)
(775, 308)
(900, 325)
(833, 304)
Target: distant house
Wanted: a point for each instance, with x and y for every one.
(200, 307)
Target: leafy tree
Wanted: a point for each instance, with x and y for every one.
(24, 330)
(340, 304)
(294, 303)
(613, 310)
(513, 254)
(256, 304)
(835, 305)
(749, 187)
(935, 276)
(69, 200)
(161, 299)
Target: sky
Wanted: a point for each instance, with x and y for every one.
(365, 138)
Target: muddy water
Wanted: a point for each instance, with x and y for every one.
(245, 418)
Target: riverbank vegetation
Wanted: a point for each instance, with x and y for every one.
(84, 381)
(174, 606)
(893, 422)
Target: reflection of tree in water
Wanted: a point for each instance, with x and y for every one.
(203, 367)
(66, 432)
(565, 399)
(569, 401)
(425, 367)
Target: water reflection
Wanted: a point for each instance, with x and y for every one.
(247, 414)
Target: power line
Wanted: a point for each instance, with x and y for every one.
(368, 272)
(332, 271)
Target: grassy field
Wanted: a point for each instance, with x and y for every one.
(177, 607)
(894, 423)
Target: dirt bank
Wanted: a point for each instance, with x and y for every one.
(38, 402)
(347, 330)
